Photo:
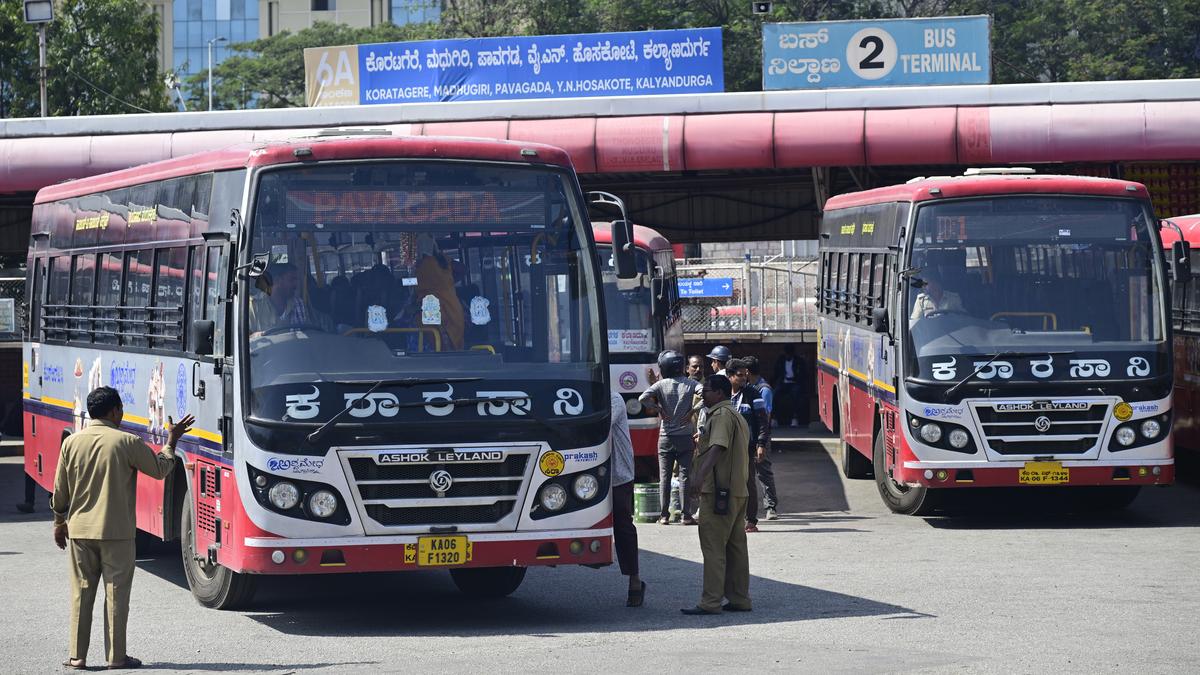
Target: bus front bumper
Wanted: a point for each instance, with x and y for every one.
(1036, 474)
(269, 555)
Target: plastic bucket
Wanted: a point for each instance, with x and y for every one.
(647, 503)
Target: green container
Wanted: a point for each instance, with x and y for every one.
(647, 502)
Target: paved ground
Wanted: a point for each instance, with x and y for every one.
(840, 585)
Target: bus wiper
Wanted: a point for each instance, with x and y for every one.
(315, 436)
(946, 395)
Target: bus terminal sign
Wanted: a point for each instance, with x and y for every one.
(686, 61)
(892, 52)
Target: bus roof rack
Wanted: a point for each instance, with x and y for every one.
(918, 179)
(354, 132)
(1000, 171)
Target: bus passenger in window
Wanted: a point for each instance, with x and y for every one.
(934, 298)
(435, 277)
(280, 302)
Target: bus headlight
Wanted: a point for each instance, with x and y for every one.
(633, 406)
(959, 438)
(284, 496)
(1126, 436)
(553, 497)
(586, 486)
(931, 433)
(1151, 428)
(322, 504)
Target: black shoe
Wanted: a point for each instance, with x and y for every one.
(728, 607)
(696, 611)
(25, 507)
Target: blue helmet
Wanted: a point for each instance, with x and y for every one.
(671, 363)
(720, 354)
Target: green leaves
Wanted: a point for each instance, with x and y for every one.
(101, 59)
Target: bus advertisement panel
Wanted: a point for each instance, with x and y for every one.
(996, 330)
(393, 349)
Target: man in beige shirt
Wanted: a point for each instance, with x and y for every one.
(95, 490)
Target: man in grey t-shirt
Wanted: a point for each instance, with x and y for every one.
(671, 397)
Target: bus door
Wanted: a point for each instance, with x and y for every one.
(207, 387)
(34, 375)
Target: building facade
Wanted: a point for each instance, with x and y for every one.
(188, 26)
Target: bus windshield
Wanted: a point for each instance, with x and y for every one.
(1034, 273)
(419, 269)
(630, 313)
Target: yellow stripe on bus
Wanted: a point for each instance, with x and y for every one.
(198, 433)
(58, 402)
(885, 386)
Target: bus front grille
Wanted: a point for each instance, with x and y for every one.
(1044, 430)
(417, 496)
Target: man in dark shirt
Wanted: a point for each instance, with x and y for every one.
(747, 401)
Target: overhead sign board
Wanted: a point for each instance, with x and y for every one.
(888, 52)
(705, 287)
(686, 61)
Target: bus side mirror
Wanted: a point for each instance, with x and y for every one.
(1181, 262)
(658, 298)
(879, 320)
(202, 337)
(622, 246)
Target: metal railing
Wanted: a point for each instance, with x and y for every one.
(769, 293)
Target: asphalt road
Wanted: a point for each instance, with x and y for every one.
(1008, 584)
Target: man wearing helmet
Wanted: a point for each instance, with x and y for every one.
(671, 397)
(718, 357)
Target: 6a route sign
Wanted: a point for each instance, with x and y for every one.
(705, 287)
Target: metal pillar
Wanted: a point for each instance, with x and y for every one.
(42, 65)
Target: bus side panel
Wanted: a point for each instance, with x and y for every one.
(826, 384)
(150, 505)
(45, 446)
(1186, 427)
(862, 417)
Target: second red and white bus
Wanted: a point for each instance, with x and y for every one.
(997, 329)
(644, 318)
(1185, 320)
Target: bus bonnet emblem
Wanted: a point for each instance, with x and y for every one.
(440, 481)
(1042, 424)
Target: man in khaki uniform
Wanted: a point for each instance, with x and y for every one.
(93, 503)
(721, 455)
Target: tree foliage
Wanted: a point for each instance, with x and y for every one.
(100, 55)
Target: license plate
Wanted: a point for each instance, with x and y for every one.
(443, 551)
(1043, 473)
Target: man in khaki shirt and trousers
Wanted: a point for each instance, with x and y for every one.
(721, 456)
(95, 490)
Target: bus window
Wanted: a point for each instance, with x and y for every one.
(168, 298)
(108, 298)
(138, 276)
(83, 279)
(212, 299)
(196, 291)
(57, 297)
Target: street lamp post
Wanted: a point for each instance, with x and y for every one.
(40, 13)
(210, 60)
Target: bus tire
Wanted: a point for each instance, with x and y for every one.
(213, 586)
(904, 499)
(854, 465)
(488, 582)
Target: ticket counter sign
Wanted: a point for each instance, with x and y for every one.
(884, 53)
(685, 61)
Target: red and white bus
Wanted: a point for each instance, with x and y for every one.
(643, 320)
(393, 348)
(996, 329)
(1185, 322)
